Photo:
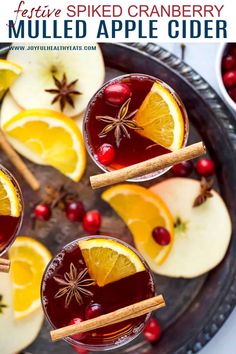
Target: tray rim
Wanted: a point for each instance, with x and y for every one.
(218, 106)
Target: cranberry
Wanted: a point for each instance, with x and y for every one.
(229, 78)
(205, 167)
(93, 310)
(106, 154)
(232, 93)
(77, 320)
(42, 212)
(92, 221)
(161, 235)
(75, 211)
(152, 331)
(228, 62)
(80, 350)
(117, 93)
(182, 169)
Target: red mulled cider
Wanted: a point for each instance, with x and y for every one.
(93, 276)
(10, 209)
(133, 118)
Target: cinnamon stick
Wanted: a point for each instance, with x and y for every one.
(4, 265)
(123, 314)
(18, 162)
(148, 166)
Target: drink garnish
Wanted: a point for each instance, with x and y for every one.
(74, 284)
(119, 124)
(63, 92)
(205, 192)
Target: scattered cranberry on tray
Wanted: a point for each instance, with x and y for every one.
(106, 154)
(205, 167)
(152, 331)
(161, 235)
(92, 221)
(182, 169)
(75, 211)
(42, 212)
(117, 93)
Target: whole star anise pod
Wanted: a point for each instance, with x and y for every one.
(120, 124)
(205, 192)
(63, 92)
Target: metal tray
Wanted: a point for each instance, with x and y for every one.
(196, 308)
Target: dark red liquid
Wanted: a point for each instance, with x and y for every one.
(130, 151)
(112, 296)
(8, 228)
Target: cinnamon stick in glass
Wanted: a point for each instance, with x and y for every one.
(125, 313)
(148, 166)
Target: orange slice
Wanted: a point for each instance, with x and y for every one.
(142, 211)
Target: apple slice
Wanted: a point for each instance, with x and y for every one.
(9, 108)
(39, 66)
(15, 335)
(203, 234)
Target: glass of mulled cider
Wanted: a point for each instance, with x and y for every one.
(11, 209)
(93, 276)
(131, 119)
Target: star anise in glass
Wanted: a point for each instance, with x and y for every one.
(205, 192)
(119, 124)
(63, 92)
(74, 285)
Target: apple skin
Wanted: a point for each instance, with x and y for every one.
(39, 66)
(205, 240)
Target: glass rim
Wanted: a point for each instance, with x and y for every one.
(150, 176)
(20, 197)
(97, 347)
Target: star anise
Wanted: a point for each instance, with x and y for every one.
(119, 124)
(74, 285)
(205, 192)
(2, 306)
(63, 92)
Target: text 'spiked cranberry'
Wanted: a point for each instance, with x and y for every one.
(75, 211)
(205, 167)
(182, 169)
(93, 310)
(152, 331)
(42, 212)
(161, 236)
(106, 154)
(92, 221)
(117, 93)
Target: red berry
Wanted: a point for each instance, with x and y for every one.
(182, 169)
(161, 236)
(106, 154)
(228, 62)
(93, 310)
(117, 93)
(80, 350)
(77, 320)
(229, 78)
(75, 211)
(152, 331)
(92, 221)
(232, 93)
(42, 212)
(205, 167)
